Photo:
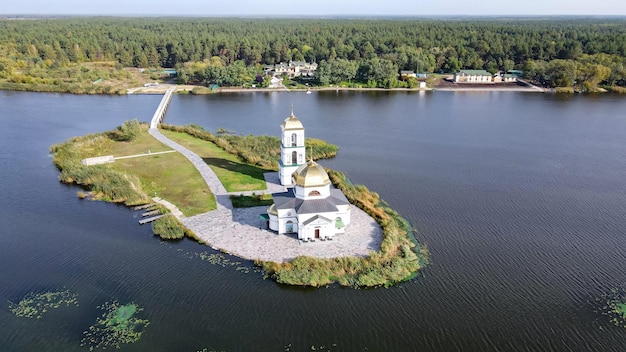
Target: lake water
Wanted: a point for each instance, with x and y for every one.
(520, 198)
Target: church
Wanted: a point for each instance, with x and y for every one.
(311, 207)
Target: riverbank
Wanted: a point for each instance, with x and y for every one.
(186, 89)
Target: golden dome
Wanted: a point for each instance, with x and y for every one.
(272, 210)
(292, 123)
(311, 175)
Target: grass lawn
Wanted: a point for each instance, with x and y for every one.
(234, 175)
(139, 145)
(170, 176)
(242, 201)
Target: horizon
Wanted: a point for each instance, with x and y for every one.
(26, 16)
(320, 8)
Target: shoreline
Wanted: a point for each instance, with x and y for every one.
(177, 89)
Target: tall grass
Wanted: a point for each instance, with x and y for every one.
(169, 228)
(261, 151)
(108, 184)
(399, 258)
(103, 182)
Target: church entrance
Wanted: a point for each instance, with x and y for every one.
(317, 233)
(289, 227)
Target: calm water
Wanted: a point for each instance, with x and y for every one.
(519, 197)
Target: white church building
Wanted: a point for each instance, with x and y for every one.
(311, 207)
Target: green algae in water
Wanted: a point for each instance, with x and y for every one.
(34, 305)
(118, 325)
(221, 260)
(614, 307)
(620, 308)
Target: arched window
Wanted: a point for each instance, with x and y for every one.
(294, 157)
(314, 193)
(339, 223)
(294, 140)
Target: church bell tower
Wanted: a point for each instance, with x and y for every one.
(292, 149)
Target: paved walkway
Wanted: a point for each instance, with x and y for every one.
(241, 231)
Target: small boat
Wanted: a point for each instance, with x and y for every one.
(308, 91)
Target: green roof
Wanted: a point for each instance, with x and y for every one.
(475, 72)
(264, 217)
(339, 224)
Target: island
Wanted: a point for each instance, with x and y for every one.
(304, 225)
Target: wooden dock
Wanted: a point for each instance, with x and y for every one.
(147, 220)
(151, 213)
(145, 206)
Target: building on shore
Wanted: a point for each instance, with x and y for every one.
(473, 76)
(292, 69)
(312, 207)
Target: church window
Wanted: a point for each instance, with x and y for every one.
(294, 140)
(314, 193)
(294, 157)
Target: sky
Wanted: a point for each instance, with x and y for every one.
(268, 8)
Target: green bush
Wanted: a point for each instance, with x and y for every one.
(168, 228)
(128, 131)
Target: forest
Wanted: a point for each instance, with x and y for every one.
(553, 51)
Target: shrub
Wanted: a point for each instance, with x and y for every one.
(128, 131)
(168, 228)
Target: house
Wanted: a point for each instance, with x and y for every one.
(473, 76)
(312, 207)
(293, 69)
(504, 77)
(507, 77)
(407, 74)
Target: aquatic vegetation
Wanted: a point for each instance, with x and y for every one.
(34, 305)
(614, 307)
(289, 348)
(221, 260)
(117, 325)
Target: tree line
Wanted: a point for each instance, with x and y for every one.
(552, 51)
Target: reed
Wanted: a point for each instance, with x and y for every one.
(103, 182)
(169, 228)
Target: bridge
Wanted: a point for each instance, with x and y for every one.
(160, 111)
